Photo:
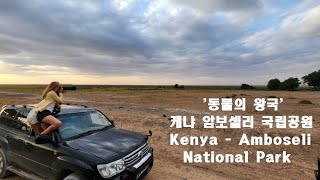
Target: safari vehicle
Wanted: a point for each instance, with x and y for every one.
(86, 146)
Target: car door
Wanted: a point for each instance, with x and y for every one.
(19, 142)
(37, 158)
(13, 140)
(41, 156)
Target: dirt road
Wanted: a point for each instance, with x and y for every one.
(141, 110)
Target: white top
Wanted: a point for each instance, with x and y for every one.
(51, 107)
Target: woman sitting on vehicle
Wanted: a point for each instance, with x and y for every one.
(35, 125)
(52, 95)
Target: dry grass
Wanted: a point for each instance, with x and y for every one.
(141, 110)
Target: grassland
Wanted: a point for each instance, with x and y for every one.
(88, 88)
(141, 108)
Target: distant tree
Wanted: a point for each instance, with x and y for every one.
(179, 86)
(274, 84)
(312, 79)
(290, 84)
(246, 86)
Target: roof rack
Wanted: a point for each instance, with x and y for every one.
(18, 105)
(32, 106)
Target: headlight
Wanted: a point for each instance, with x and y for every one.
(111, 169)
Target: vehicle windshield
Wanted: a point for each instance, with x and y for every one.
(81, 123)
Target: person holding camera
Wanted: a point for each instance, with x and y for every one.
(52, 96)
(35, 125)
(41, 117)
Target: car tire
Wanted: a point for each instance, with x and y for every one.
(75, 176)
(3, 165)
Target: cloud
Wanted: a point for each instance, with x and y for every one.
(196, 42)
(304, 24)
(236, 11)
(296, 31)
(290, 48)
(211, 6)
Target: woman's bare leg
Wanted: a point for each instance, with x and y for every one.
(44, 126)
(54, 124)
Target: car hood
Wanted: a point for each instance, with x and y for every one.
(110, 144)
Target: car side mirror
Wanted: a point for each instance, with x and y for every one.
(55, 140)
(150, 133)
(43, 139)
(112, 122)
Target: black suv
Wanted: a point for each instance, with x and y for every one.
(86, 146)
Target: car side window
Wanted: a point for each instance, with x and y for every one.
(20, 122)
(7, 116)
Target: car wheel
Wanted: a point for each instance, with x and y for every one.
(75, 176)
(3, 165)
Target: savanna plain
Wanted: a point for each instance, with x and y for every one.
(143, 108)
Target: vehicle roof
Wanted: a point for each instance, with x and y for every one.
(65, 108)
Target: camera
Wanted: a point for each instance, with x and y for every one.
(69, 88)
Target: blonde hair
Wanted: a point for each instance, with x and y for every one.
(49, 88)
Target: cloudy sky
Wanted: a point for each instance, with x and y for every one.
(190, 42)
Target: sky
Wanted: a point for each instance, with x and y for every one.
(158, 42)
